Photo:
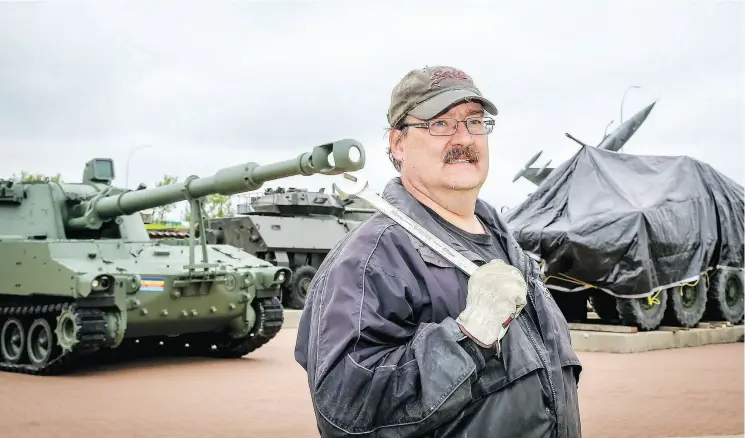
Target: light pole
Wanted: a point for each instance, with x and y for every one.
(624, 98)
(129, 157)
(605, 133)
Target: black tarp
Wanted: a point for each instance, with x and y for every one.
(631, 223)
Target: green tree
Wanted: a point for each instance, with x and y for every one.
(159, 213)
(186, 213)
(214, 205)
(217, 205)
(27, 176)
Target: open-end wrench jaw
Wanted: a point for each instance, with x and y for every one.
(347, 189)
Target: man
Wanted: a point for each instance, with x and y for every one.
(396, 341)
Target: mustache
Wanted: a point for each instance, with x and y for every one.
(459, 153)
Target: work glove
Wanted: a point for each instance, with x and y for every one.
(496, 293)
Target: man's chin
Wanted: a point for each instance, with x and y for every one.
(463, 176)
(465, 183)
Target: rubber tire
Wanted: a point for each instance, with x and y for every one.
(677, 315)
(22, 356)
(605, 305)
(54, 349)
(717, 308)
(295, 299)
(631, 312)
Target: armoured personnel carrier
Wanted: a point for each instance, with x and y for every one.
(292, 228)
(79, 275)
(649, 241)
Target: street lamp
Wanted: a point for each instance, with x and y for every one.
(126, 170)
(624, 98)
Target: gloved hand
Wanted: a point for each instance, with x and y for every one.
(496, 291)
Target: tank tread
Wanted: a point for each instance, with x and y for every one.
(269, 320)
(271, 316)
(91, 335)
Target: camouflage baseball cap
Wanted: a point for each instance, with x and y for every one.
(425, 93)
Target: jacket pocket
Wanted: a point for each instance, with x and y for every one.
(519, 358)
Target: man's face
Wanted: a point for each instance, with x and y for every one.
(456, 162)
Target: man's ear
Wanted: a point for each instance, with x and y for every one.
(396, 143)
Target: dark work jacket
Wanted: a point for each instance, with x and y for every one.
(385, 357)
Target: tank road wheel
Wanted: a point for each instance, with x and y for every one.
(725, 297)
(604, 305)
(301, 279)
(40, 349)
(686, 304)
(12, 340)
(644, 313)
(41, 345)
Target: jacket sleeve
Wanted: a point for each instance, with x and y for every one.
(376, 371)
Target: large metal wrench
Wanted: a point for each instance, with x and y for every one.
(359, 187)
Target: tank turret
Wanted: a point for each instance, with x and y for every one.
(294, 202)
(79, 275)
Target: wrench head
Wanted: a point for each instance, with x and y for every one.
(347, 189)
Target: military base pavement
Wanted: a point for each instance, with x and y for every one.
(678, 392)
(713, 436)
(596, 336)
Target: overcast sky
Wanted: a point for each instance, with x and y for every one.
(219, 83)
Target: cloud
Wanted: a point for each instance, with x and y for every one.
(213, 84)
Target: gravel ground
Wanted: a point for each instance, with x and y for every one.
(671, 393)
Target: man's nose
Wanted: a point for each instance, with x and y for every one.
(461, 135)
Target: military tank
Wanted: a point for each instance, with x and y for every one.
(79, 275)
(292, 228)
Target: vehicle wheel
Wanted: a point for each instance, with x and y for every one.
(605, 306)
(639, 312)
(41, 344)
(686, 304)
(12, 341)
(301, 279)
(725, 301)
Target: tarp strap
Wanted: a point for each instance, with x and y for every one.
(652, 295)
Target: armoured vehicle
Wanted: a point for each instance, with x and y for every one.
(292, 228)
(648, 240)
(79, 275)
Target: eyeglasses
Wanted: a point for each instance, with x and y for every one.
(447, 126)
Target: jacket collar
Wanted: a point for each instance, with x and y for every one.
(399, 197)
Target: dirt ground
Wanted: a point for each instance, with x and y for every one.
(684, 392)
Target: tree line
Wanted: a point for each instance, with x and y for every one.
(214, 205)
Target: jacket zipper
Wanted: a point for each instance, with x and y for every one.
(544, 362)
(534, 342)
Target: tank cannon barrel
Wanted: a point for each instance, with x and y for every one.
(329, 159)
